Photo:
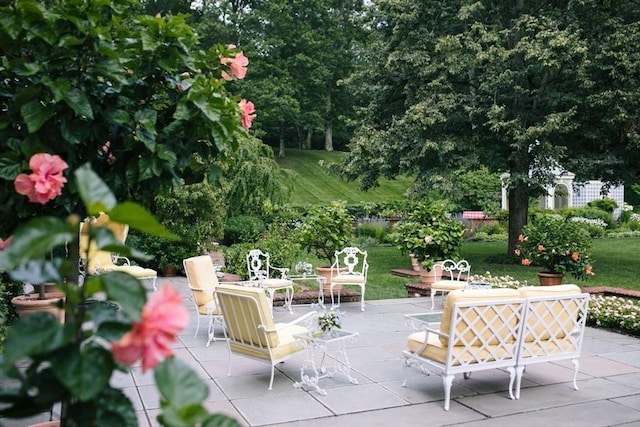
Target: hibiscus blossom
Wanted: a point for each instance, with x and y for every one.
(238, 65)
(46, 181)
(247, 109)
(163, 316)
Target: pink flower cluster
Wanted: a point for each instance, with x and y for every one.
(163, 316)
(238, 67)
(46, 181)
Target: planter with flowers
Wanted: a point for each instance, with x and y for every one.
(560, 247)
(429, 235)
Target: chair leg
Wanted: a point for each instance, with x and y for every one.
(362, 299)
(576, 366)
(211, 331)
(447, 380)
(519, 371)
(433, 296)
(273, 368)
(197, 324)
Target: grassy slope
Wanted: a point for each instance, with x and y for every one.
(615, 260)
(314, 185)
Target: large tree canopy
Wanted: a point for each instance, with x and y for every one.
(522, 87)
(98, 82)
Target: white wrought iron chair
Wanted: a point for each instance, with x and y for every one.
(458, 276)
(349, 269)
(251, 331)
(95, 261)
(201, 275)
(268, 277)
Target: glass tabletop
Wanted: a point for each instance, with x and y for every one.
(430, 317)
(327, 336)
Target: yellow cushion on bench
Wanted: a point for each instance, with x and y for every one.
(467, 296)
(541, 314)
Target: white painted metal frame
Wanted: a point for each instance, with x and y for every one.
(247, 329)
(554, 330)
(261, 271)
(355, 262)
(455, 271)
(466, 350)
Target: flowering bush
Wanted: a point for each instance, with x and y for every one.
(429, 234)
(498, 281)
(72, 362)
(615, 312)
(557, 245)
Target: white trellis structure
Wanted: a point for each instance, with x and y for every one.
(566, 193)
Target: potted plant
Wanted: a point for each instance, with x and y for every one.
(557, 245)
(323, 231)
(429, 235)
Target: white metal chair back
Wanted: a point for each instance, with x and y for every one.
(349, 269)
(455, 270)
(258, 264)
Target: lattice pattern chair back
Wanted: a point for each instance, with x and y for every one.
(555, 322)
(349, 268)
(250, 329)
(202, 279)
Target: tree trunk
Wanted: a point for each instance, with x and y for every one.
(281, 152)
(307, 141)
(518, 211)
(328, 131)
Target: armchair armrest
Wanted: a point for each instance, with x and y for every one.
(304, 318)
(283, 271)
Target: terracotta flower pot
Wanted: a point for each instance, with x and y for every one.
(550, 279)
(431, 276)
(27, 304)
(326, 273)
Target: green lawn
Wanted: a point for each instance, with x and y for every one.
(314, 184)
(615, 264)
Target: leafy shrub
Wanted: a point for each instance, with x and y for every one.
(588, 212)
(595, 227)
(607, 205)
(377, 230)
(243, 228)
(192, 212)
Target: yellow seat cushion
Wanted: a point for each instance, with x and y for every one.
(348, 278)
(276, 283)
(286, 344)
(449, 285)
(134, 270)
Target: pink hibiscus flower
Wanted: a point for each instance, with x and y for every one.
(163, 316)
(247, 109)
(46, 181)
(237, 64)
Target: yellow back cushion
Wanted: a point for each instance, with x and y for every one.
(244, 309)
(202, 278)
(541, 314)
(468, 296)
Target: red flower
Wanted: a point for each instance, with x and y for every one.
(540, 248)
(575, 256)
(247, 109)
(517, 252)
(46, 181)
(238, 65)
(526, 262)
(163, 316)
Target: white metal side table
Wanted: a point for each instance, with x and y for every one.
(317, 345)
(420, 321)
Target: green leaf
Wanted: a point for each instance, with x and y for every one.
(34, 240)
(77, 100)
(95, 194)
(173, 377)
(140, 219)
(84, 372)
(125, 290)
(115, 409)
(34, 334)
(35, 115)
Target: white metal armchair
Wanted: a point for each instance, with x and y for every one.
(268, 277)
(250, 329)
(349, 269)
(201, 275)
(458, 276)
